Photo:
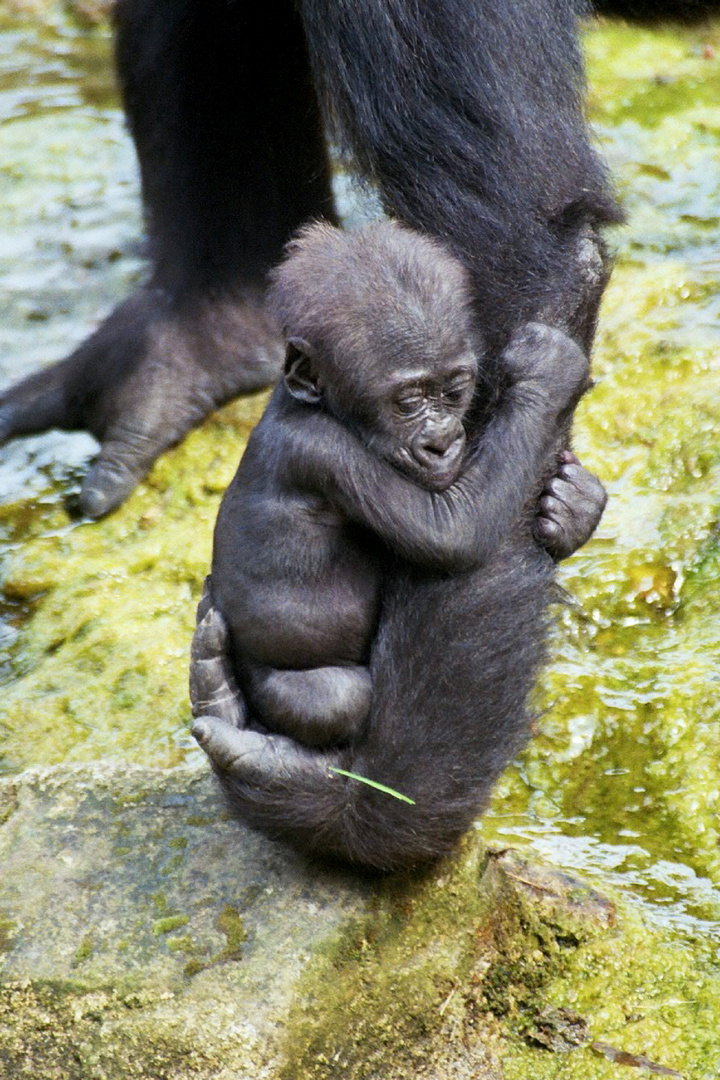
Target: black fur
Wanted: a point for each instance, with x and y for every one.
(452, 667)
(439, 734)
(468, 116)
(360, 453)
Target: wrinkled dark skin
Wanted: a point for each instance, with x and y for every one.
(355, 466)
(569, 509)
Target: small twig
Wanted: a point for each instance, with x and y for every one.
(447, 1000)
(532, 884)
(639, 1061)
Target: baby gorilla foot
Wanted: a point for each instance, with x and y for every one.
(569, 509)
(153, 370)
(318, 707)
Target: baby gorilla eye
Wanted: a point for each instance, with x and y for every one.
(457, 393)
(454, 396)
(409, 404)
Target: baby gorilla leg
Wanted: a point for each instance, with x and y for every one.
(317, 706)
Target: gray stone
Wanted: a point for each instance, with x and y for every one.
(145, 934)
(138, 924)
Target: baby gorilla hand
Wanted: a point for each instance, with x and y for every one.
(150, 372)
(569, 509)
(545, 360)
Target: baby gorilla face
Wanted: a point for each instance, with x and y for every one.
(419, 425)
(381, 333)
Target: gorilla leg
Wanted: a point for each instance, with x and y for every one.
(468, 115)
(227, 128)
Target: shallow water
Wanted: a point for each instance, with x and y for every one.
(622, 781)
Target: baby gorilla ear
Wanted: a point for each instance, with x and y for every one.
(300, 374)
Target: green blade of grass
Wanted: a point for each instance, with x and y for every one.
(373, 783)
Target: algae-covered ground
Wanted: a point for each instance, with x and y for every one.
(622, 781)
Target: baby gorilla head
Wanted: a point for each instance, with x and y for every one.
(380, 332)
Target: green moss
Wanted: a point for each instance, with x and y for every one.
(535, 952)
(84, 951)
(448, 969)
(229, 922)
(7, 933)
(183, 944)
(665, 1007)
(171, 922)
(48, 1030)
(101, 664)
(371, 1004)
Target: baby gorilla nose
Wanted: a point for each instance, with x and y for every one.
(439, 452)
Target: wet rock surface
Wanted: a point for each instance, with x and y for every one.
(142, 933)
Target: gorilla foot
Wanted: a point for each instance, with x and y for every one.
(249, 757)
(569, 509)
(152, 371)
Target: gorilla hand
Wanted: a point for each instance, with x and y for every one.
(569, 509)
(246, 757)
(147, 375)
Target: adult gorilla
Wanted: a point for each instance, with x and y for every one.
(467, 114)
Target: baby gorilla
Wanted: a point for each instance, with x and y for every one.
(360, 460)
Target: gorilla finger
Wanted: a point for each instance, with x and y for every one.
(36, 404)
(255, 759)
(124, 459)
(212, 691)
(205, 602)
(213, 687)
(566, 457)
(546, 530)
(574, 499)
(548, 506)
(586, 483)
(577, 475)
(564, 491)
(210, 639)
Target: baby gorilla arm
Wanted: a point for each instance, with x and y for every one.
(456, 529)
(257, 759)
